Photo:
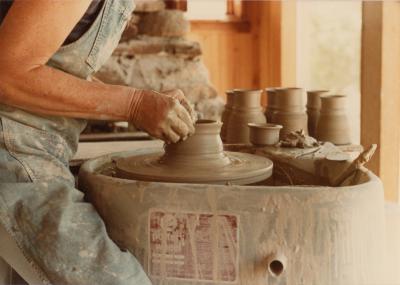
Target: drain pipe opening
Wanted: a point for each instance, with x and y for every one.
(276, 265)
(276, 268)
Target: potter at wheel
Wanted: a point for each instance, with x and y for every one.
(199, 159)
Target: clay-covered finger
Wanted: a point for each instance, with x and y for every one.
(171, 136)
(179, 127)
(180, 96)
(186, 104)
(185, 117)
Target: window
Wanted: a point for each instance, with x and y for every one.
(328, 42)
(207, 9)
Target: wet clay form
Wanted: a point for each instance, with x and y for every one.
(290, 111)
(313, 109)
(333, 125)
(299, 139)
(246, 109)
(264, 134)
(226, 113)
(271, 104)
(199, 159)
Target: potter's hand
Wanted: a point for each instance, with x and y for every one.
(161, 115)
(178, 94)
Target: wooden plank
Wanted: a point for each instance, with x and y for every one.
(230, 24)
(89, 150)
(288, 43)
(259, 56)
(380, 89)
(124, 136)
(228, 55)
(275, 28)
(270, 44)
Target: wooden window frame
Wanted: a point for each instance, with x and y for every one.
(380, 91)
(176, 5)
(234, 8)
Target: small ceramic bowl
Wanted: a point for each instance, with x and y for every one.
(264, 134)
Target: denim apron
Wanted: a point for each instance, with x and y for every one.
(61, 236)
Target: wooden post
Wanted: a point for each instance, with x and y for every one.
(288, 43)
(234, 8)
(275, 33)
(277, 42)
(380, 90)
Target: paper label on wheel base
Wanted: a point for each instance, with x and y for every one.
(193, 246)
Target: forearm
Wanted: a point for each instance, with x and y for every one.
(45, 90)
(30, 34)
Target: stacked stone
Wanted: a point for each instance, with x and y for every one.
(154, 54)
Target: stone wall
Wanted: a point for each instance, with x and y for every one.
(154, 54)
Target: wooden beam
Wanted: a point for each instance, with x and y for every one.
(270, 43)
(277, 41)
(227, 25)
(258, 51)
(288, 43)
(380, 90)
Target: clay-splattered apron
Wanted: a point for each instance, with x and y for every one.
(62, 237)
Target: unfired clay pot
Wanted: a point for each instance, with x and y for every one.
(226, 113)
(246, 109)
(199, 159)
(271, 104)
(313, 109)
(264, 134)
(333, 125)
(290, 111)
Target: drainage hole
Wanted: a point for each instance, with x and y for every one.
(276, 268)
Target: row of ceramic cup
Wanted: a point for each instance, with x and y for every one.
(323, 117)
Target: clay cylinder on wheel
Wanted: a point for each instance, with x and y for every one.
(333, 124)
(290, 111)
(204, 147)
(246, 109)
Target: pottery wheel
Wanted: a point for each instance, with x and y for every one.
(241, 169)
(199, 159)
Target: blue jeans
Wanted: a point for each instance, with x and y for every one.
(61, 236)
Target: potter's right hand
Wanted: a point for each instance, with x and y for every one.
(161, 115)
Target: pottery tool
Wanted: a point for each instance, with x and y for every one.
(298, 139)
(355, 167)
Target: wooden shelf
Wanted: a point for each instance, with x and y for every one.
(124, 136)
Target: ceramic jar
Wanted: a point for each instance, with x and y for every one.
(264, 134)
(271, 104)
(226, 113)
(313, 109)
(333, 124)
(246, 109)
(290, 111)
